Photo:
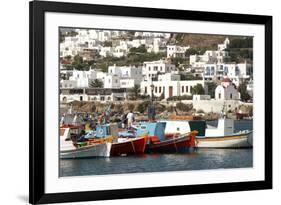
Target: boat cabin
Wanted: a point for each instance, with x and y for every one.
(107, 130)
(153, 129)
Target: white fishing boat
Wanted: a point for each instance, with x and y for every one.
(70, 150)
(222, 136)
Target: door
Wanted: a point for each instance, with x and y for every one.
(170, 91)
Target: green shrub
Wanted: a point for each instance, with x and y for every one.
(184, 107)
(142, 107)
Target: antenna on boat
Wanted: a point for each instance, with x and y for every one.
(151, 107)
(223, 112)
(70, 109)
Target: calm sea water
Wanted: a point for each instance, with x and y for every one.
(200, 159)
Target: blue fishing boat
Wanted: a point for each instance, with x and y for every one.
(158, 142)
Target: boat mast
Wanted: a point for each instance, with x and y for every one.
(151, 107)
(223, 111)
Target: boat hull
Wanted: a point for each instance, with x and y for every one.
(97, 150)
(232, 141)
(175, 145)
(131, 146)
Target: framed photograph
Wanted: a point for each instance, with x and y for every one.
(130, 102)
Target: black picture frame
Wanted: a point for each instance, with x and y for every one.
(37, 11)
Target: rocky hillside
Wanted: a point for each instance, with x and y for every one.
(200, 40)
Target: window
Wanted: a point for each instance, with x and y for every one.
(230, 96)
(182, 89)
(160, 89)
(212, 70)
(149, 68)
(145, 89)
(186, 89)
(219, 95)
(155, 89)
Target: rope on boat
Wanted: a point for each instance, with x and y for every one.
(133, 146)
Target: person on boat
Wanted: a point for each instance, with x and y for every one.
(124, 120)
(101, 119)
(130, 118)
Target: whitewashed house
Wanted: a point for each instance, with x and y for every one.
(174, 51)
(92, 94)
(226, 91)
(112, 81)
(237, 73)
(169, 85)
(201, 97)
(224, 45)
(151, 69)
(129, 75)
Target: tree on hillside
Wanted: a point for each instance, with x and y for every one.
(68, 57)
(107, 43)
(140, 49)
(135, 92)
(79, 64)
(177, 61)
(96, 83)
(211, 88)
(244, 95)
(241, 43)
(191, 51)
(197, 90)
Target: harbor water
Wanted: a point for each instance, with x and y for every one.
(199, 159)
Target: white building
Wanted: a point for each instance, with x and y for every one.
(226, 91)
(211, 56)
(237, 73)
(208, 57)
(78, 79)
(250, 88)
(92, 94)
(81, 79)
(224, 45)
(127, 74)
(174, 51)
(201, 97)
(112, 81)
(169, 85)
(151, 69)
(126, 71)
(128, 82)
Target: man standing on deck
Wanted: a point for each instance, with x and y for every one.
(131, 118)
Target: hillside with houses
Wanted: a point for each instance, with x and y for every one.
(204, 71)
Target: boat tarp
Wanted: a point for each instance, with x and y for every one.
(198, 125)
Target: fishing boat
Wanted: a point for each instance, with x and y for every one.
(125, 144)
(70, 148)
(158, 142)
(222, 136)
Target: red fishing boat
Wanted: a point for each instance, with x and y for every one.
(182, 143)
(129, 146)
(158, 142)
